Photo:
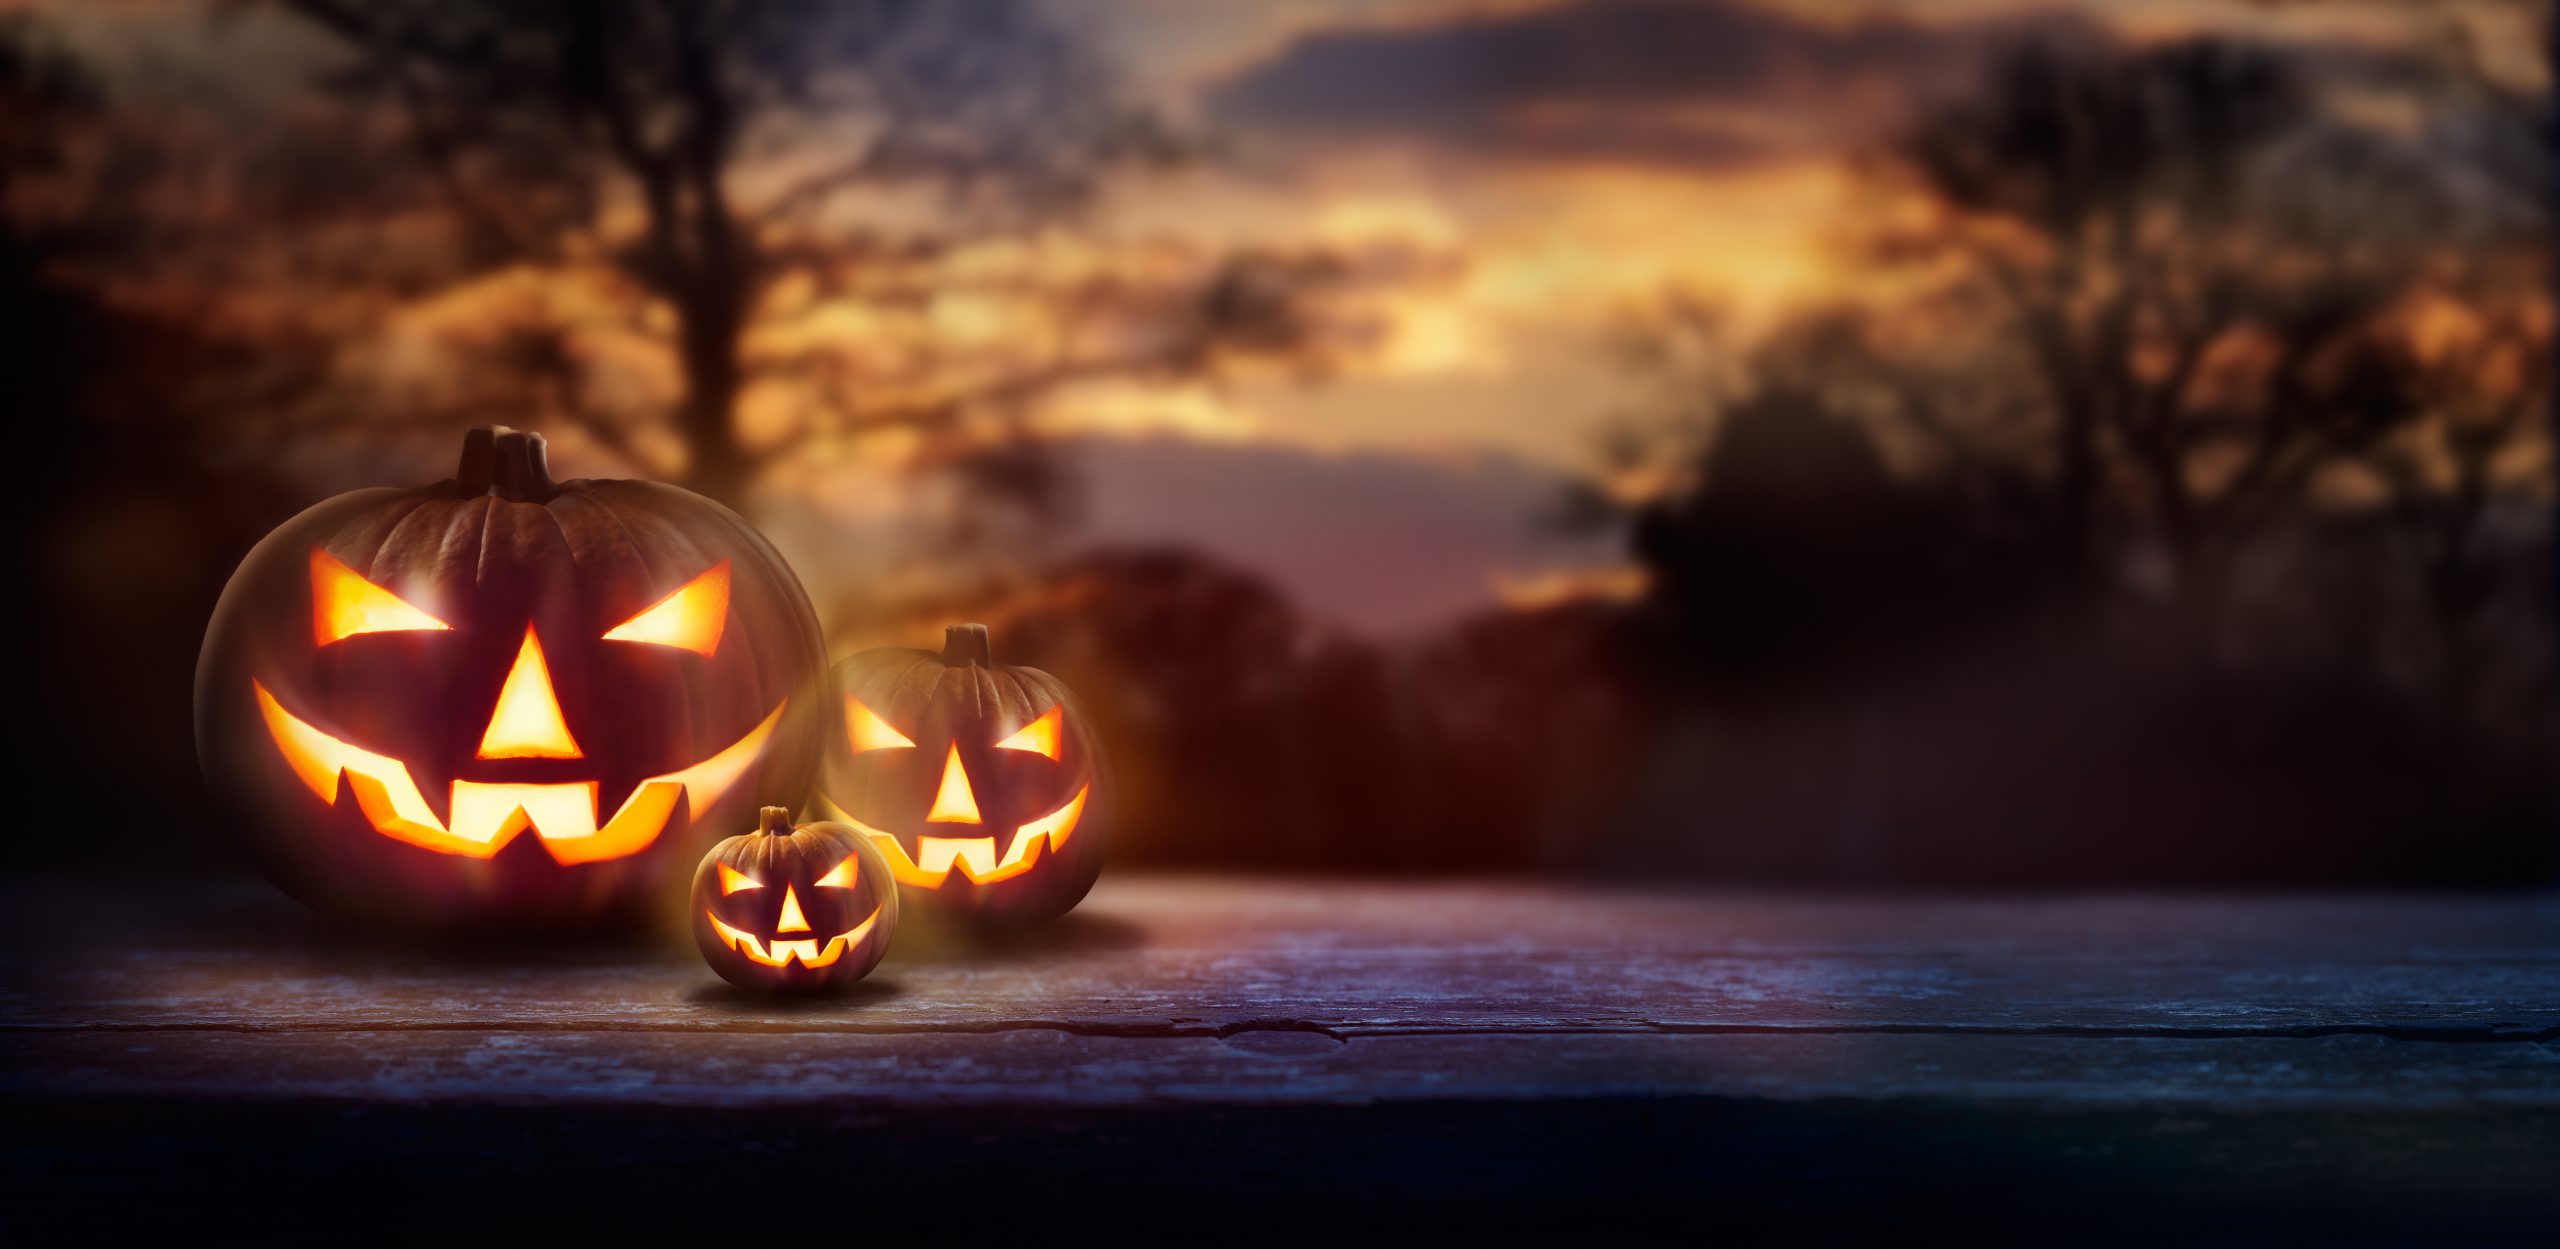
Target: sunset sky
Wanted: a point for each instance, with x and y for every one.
(1547, 170)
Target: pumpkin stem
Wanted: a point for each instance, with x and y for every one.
(511, 464)
(774, 821)
(963, 645)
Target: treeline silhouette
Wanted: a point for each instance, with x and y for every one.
(2186, 519)
(2192, 523)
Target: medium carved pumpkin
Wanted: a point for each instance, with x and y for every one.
(983, 785)
(793, 909)
(504, 701)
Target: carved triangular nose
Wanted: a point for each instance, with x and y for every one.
(526, 723)
(792, 920)
(953, 803)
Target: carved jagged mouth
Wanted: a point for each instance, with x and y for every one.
(485, 816)
(974, 858)
(780, 953)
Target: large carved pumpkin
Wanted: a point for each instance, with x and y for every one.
(502, 701)
(983, 785)
(793, 908)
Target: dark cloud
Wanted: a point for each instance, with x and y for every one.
(1705, 82)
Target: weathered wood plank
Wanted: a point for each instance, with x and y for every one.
(1042, 1067)
(1249, 1054)
(1178, 957)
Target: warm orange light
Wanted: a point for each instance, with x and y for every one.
(973, 857)
(842, 875)
(1055, 827)
(1040, 737)
(319, 759)
(526, 723)
(868, 730)
(570, 806)
(691, 619)
(780, 953)
(733, 880)
(485, 816)
(706, 781)
(953, 803)
(344, 604)
(792, 920)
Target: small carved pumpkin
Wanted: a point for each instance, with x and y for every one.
(793, 909)
(505, 701)
(983, 785)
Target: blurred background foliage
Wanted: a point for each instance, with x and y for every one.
(2025, 444)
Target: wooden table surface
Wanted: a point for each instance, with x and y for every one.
(2358, 1064)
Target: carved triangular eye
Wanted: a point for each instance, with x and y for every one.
(868, 731)
(733, 880)
(1040, 737)
(842, 875)
(691, 619)
(344, 604)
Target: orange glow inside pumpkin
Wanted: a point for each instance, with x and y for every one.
(808, 950)
(484, 817)
(973, 857)
(344, 604)
(868, 731)
(792, 919)
(1040, 737)
(691, 618)
(527, 724)
(953, 803)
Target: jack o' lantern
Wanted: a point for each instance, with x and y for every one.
(502, 701)
(791, 908)
(983, 785)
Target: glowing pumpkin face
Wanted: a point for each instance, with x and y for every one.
(793, 908)
(504, 700)
(982, 785)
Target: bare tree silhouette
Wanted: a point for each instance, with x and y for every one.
(2174, 341)
(742, 161)
(2193, 266)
